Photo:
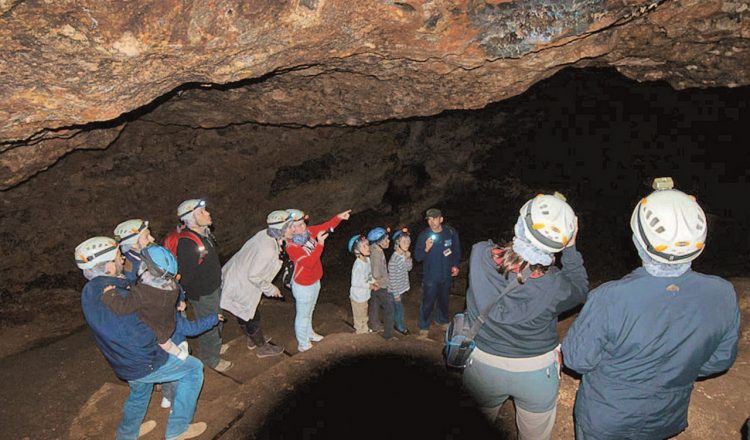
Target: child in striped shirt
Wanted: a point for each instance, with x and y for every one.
(398, 271)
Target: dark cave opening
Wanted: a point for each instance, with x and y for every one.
(377, 397)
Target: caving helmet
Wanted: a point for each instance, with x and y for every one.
(94, 251)
(548, 222)
(159, 262)
(189, 206)
(127, 232)
(669, 224)
(376, 234)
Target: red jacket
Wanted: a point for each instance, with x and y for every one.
(307, 266)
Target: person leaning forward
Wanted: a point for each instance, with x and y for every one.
(249, 274)
(131, 349)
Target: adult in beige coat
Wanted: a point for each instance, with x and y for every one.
(249, 274)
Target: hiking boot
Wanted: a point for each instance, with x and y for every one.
(268, 350)
(316, 337)
(146, 427)
(251, 345)
(222, 367)
(224, 348)
(424, 334)
(165, 403)
(194, 430)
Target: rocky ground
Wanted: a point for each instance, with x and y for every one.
(64, 389)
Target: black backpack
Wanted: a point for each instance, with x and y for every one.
(287, 266)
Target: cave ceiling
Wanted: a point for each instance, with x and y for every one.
(75, 73)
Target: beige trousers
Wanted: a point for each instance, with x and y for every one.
(359, 313)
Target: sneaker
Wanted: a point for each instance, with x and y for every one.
(302, 348)
(404, 332)
(194, 430)
(146, 427)
(424, 334)
(222, 367)
(268, 350)
(165, 403)
(316, 337)
(224, 348)
(251, 345)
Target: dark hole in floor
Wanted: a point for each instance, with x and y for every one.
(379, 397)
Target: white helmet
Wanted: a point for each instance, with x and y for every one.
(548, 222)
(278, 218)
(189, 206)
(669, 224)
(95, 251)
(127, 232)
(297, 215)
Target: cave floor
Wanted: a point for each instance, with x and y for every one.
(62, 387)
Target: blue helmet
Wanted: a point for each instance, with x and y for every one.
(159, 261)
(400, 232)
(353, 242)
(376, 234)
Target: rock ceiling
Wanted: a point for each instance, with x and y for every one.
(75, 72)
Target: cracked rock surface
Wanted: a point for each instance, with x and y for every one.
(75, 71)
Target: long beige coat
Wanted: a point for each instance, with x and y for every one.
(248, 274)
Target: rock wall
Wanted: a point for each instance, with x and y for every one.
(85, 65)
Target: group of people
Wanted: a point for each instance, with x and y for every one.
(639, 342)
(439, 249)
(136, 297)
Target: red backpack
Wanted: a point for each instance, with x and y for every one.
(173, 239)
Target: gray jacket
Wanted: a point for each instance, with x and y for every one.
(379, 266)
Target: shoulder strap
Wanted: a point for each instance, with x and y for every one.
(192, 236)
(512, 284)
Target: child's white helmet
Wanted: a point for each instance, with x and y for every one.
(94, 251)
(548, 222)
(669, 224)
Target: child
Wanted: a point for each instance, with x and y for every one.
(379, 241)
(362, 282)
(398, 276)
(153, 298)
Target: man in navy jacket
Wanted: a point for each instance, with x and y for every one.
(641, 342)
(131, 349)
(439, 249)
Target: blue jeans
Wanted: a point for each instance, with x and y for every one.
(305, 297)
(398, 314)
(432, 292)
(189, 377)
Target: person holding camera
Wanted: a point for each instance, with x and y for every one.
(521, 292)
(438, 248)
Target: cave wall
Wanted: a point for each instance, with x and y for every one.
(74, 68)
(244, 171)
